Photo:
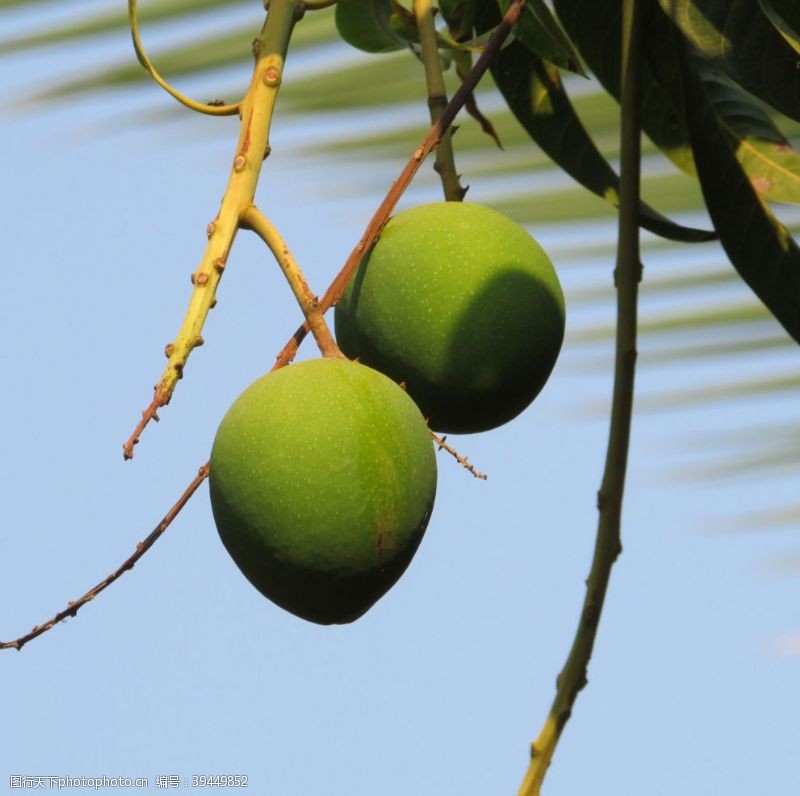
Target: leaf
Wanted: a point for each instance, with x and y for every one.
(404, 25)
(534, 92)
(766, 155)
(736, 36)
(594, 26)
(460, 15)
(785, 16)
(367, 25)
(759, 246)
(539, 30)
(769, 160)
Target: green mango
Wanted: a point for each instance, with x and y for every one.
(322, 481)
(460, 304)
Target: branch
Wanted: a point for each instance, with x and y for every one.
(429, 143)
(253, 146)
(608, 545)
(75, 605)
(255, 220)
(462, 460)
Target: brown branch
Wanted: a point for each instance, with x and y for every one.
(462, 460)
(429, 143)
(75, 605)
(151, 413)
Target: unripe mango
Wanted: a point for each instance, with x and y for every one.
(322, 481)
(462, 305)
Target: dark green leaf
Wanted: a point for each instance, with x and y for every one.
(367, 25)
(770, 162)
(736, 36)
(594, 25)
(460, 15)
(534, 92)
(539, 30)
(785, 16)
(766, 155)
(758, 245)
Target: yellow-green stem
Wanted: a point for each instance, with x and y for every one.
(437, 99)
(255, 111)
(255, 220)
(609, 499)
(144, 60)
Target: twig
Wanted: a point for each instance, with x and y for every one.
(462, 460)
(74, 606)
(255, 220)
(430, 142)
(445, 165)
(214, 108)
(608, 544)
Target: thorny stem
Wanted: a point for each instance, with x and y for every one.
(430, 142)
(256, 221)
(74, 606)
(462, 460)
(437, 99)
(608, 545)
(253, 146)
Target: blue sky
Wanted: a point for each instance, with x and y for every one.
(181, 668)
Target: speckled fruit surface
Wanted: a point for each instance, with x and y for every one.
(322, 481)
(461, 304)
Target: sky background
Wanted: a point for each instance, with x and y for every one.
(182, 668)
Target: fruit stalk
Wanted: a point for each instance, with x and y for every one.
(256, 221)
(437, 100)
(252, 148)
(429, 143)
(627, 275)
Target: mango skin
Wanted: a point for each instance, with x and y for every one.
(322, 481)
(461, 304)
